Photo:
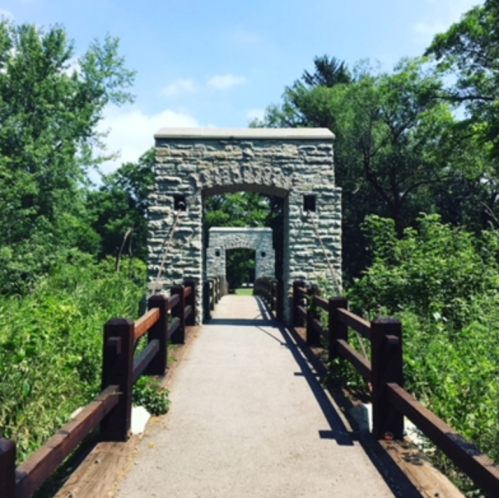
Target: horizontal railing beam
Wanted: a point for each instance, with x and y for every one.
(172, 327)
(357, 323)
(173, 301)
(145, 357)
(321, 303)
(464, 454)
(317, 325)
(145, 322)
(36, 470)
(362, 365)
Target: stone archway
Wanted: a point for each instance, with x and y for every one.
(221, 239)
(293, 164)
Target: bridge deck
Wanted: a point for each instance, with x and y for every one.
(249, 419)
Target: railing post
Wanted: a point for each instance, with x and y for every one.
(117, 369)
(191, 301)
(159, 331)
(206, 300)
(7, 468)
(386, 363)
(313, 338)
(273, 291)
(297, 319)
(212, 294)
(337, 330)
(178, 311)
(281, 292)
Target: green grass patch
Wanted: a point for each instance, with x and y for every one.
(244, 292)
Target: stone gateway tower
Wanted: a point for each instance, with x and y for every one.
(295, 165)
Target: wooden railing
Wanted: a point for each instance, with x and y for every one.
(268, 289)
(214, 289)
(166, 320)
(384, 371)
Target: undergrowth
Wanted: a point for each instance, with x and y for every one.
(51, 345)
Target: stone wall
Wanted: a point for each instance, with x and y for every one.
(221, 239)
(289, 163)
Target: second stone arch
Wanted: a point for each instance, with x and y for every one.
(222, 239)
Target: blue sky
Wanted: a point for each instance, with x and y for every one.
(220, 63)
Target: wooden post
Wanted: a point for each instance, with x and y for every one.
(206, 300)
(191, 301)
(212, 294)
(178, 311)
(159, 331)
(386, 362)
(7, 468)
(337, 330)
(297, 319)
(313, 338)
(117, 369)
(281, 295)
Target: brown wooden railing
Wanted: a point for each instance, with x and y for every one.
(167, 319)
(384, 371)
(214, 289)
(268, 289)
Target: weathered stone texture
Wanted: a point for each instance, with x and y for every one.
(285, 163)
(222, 239)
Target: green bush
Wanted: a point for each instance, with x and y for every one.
(443, 284)
(51, 345)
(148, 393)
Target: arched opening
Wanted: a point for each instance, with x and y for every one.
(284, 165)
(243, 207)
(240, 268)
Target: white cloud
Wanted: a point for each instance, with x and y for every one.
(255, 114)
(440, 15)
(132, 132)
(179, 86)
(225, 81)
(6, 14)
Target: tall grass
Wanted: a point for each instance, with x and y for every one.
(51, 345)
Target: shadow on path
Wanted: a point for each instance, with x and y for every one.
(396, 480)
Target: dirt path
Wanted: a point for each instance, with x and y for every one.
(249, 419)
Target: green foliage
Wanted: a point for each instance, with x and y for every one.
(51, 345)
(442, 282)
(50, 106)
(147, 392)
(469, 49)
(121, 204)
(436, 270)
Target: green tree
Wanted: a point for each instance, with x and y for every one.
(119, 207)
(469, 49)
(50, 105)
(392, 142)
